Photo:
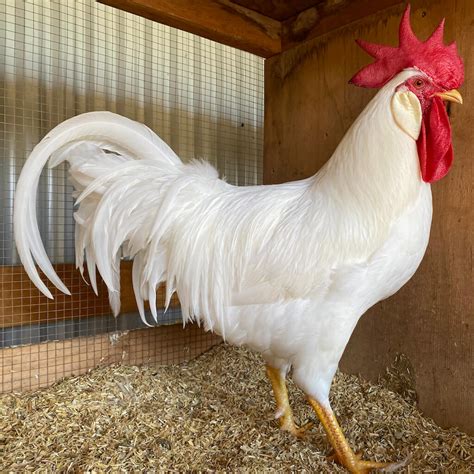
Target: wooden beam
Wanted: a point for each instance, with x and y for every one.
(218, 20)
(34, 366)
(22, 303)
(325, 17)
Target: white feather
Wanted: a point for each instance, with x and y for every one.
(133, 138)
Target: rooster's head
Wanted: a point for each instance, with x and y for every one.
(417, 103)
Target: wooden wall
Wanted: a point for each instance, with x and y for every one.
(49, 362)
(309, 106)
(22, 303)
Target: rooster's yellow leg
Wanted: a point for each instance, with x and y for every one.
(343, 453)
(284, 412)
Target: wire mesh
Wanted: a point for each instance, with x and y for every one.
(62, 58)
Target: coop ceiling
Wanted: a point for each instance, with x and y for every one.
(280, 9)
(262, 27)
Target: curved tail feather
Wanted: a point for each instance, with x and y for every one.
(105, 152)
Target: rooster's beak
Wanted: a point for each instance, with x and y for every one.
(452, 96)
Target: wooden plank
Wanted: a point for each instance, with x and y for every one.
(308, 107)
(218, 20)
(40, 365)
(328, 16)
(262, 28)
(22, 303)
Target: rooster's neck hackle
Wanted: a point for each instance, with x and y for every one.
(374, 172)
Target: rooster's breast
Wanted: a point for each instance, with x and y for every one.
(305, 332)
(401, 254)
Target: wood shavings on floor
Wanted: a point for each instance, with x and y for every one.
(212, 414)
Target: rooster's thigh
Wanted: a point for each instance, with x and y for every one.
(308, 335)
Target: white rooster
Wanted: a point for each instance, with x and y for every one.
(286, 269)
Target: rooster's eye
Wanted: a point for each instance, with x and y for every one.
(419, 83)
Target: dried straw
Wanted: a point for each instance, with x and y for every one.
(212, 414)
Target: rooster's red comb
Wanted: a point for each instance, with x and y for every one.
(438, 61)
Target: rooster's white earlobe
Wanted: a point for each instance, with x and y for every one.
(406, 110)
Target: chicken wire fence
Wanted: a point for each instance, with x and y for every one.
(63, 58)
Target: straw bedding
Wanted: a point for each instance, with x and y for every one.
(212, 414)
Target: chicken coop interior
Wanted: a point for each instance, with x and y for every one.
(260, 90)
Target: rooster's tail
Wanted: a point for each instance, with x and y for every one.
(122, 173)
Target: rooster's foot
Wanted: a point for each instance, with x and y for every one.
(343, 453)
(284, 413)
(356, 465)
